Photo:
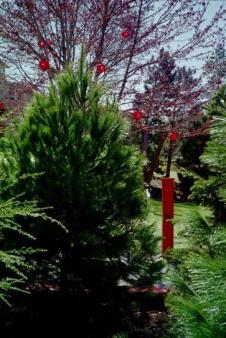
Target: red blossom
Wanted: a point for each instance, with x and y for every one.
(41, 43)
(49, 42)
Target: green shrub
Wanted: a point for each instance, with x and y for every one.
(198, 305)
(198, 302)
(76, 139)
(213, 189)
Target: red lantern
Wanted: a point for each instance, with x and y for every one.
(173, 136)
(125, 34)
(41, 43)
(2, 106)
(44, 64)
(137, 115)
(100, 68)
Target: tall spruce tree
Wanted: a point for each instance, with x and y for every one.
(76, 139)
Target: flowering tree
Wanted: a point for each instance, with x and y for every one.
(169, 106)
(119, 34)
(215, 67)
(40, 37)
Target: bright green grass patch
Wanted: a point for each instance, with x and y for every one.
(184, 216)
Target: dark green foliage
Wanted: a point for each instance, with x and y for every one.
(198, 302)
(213, 189)
(76, 140)
(188, 171)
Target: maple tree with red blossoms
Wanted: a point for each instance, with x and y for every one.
(171, 105)
(121, 34)
(121, 38)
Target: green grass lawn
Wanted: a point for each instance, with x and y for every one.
(183, 216)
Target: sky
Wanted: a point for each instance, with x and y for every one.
(212, 9)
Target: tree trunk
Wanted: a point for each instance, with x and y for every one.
(153, 165)
(145, 141)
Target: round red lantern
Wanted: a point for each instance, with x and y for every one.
(100, 68)
(173, 136)
(41, 43)
(137, 115)
(44, 64)
(125, 34)
(2, 106)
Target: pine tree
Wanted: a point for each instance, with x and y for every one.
(75, 138)
(213, 189)
(198, 302)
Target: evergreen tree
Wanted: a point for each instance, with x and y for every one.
(76, 139)
(198, 302)
(212, 190)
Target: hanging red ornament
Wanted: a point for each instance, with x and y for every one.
(173, 136)
(49, 42)
(137, 115)
(100, 68)
(44, 64)
(125, 34)
(41, 43)
(2, 106)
